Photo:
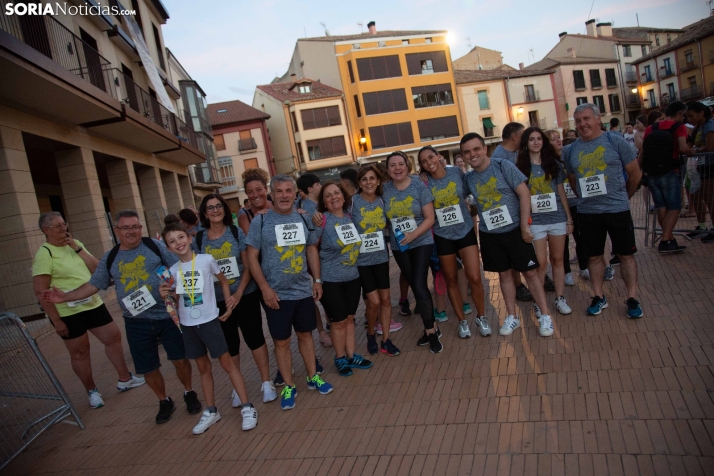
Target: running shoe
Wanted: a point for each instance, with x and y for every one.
(670, 246)
(279, 380)
(585, 274)
(394, 326)
(193, 406)
(359, 362)
(316, 383)
(562, 306)
(372, 347)
(546, 326)
(287, 397)
(343, 366)
(548, 284)
(133, 382)
(318, 365)
(250, 417)
(597, 305)
(325, 339)
(614, 260)
(269, 393)
(166, 408)
(464, 331)
(440, 316)
(424, 339)
(536, 310)
(467, 309)
(609, 273)
(435, 345)
(207, 420)
(509, 325)
(404, 307)
(483, 327)
(634, 309)
(95, 399)
(569, 281)
(235, 399)
(709, 238)
(386, 347)
(698, 231)
(523, 294)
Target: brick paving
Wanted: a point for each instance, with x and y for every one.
(603, 395)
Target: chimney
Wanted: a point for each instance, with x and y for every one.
(562, 35)
(571, 52)
(604, 29)
(372, 27)
(521, 66)
(590, 28)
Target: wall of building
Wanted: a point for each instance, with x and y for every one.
(279, 129)
(707, 45)
(231, 137)
(479, 58)
(319, 62)
(685, 81)
(472, 115)
(570, 94)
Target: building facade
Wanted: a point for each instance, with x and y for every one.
(479, 58)
(85, 131)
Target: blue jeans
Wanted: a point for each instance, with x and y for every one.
(666, 190)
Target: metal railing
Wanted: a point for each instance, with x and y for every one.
(632, 100)
(532, 96)
(688, 66)
(665, 73)
(198, 123)
(650, 103)
(667, 98)
(691, 92)
(631, 76)
(31, 397)
(490, 132)
(247, 144)
(647, 78)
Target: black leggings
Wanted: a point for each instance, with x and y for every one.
(579, 251)
(414, 263)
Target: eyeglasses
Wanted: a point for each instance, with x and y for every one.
(58, 225)
(210, 208)
(129, 228)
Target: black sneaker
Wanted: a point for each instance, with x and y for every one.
(523, 294)
(614, 260)
(192, 404)
(318, 365)
(166, 408)
(372, 347)
(548, 285)
(709, 238)
(279, 381)
(435, 345)
(424, 339)
(388, 348)
(343, 366)
(670, 246)
(698, 231)
(404, 307)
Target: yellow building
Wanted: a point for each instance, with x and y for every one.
(398, 86)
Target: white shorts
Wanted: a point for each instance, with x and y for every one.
(555, 229)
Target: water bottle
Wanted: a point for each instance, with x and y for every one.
(399, 236)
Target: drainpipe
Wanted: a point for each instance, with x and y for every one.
(701, 67)
(508, 98)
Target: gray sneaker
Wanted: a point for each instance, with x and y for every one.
(609, 273)
(483, 327)
(464, 331)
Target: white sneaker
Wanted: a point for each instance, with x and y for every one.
(250, 417)
(235, 403)
(131, 383)
(509, 325)
(483, 326)
(536, 309)
(207, 420)
(562, 306)
(585, 274)
(546, 326)
(95, 399)
(569, 281)
(464, 331)
(269, 393)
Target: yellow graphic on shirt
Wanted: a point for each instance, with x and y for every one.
(372, 220)
(133, 273)
(488, 195)
(225, 251)
(446, 196)
(592, 163)
(539, 185)
(351, 253)
(400, 208)
(294, 255)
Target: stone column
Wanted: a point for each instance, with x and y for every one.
(187, 191)
(125, 189)
(20, 238)
(152, 194)
(172, 191)
(83, 199)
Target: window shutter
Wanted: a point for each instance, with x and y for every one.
(391, 136)
(384, 99)
(451, 126)
(399, 99)
(364, 68)
(371, 106)
(376, 135)
(333, 115)
(352, 73)
(414, 63)
(338, 146)
(379, 67)
(394, 69)
(438, 59)
(425, 128)
(326, 147)
(406, 136)
(308, 119)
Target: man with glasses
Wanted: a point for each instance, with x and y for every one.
(64, 263)
(132, 265)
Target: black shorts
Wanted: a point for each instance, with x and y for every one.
(374, 277)
(503, 251)
(298, 314)
(445, 246)
(340, 299)
(594, 229)
(199, 340)
(79, 324)
(248, 317)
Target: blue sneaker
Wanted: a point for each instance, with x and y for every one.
(359, 362)
(466, 308)
(287, 397)
(597, 305)
(440, 316)
(634, 309)
(343, 366)
(318, 366)
(316, 383)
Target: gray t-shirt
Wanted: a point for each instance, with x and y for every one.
(539, 185)
(338, 262)
(501, 153)
(369, 218)
(407, 203)
(224, 248)
(284, 267)
(448, 191)
(132, 270)
(606, 155)
(495, 187)
(308, 205)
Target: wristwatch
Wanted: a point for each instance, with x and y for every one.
(318, 281)
(78, 250)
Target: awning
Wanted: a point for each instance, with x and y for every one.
(487, 123)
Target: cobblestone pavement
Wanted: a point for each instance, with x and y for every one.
(603, 395)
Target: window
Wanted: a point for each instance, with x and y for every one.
(692, 81)
(669, 38)
(137, 14)
(627, 51)
(644, 50)
(220, 143)
(320, 117)
(483, 102)
(656, 40)
(356, 46)
(357, 108)
(250, 164)
(300, 155)
(671, 91)
(295, 123)
(581, 100)
(599, 101)
(225, 169)
(433, 95)
(326, 148)
(595, 81)
(530, 94)
(352, 73)
(439, 128)
(379, 67)
(610, 78)
(304, 89)
(159, 49)
(579, 79)
(246, 141)
(384, 101)
(614, 102)
(667, 67)
(427, 63)
(391, 135)
(689, 57)
(382, 44)
(428, 40)
(405, 42)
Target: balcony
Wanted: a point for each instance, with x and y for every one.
(491, 132)
(691, 92)
(632, 100)
(541, 123)
(665, 73)
(531, 96)
(650, 103)
(667, 98)
(688, 66)
(631, 76)
(247, 144)
(198, 123)
(646, 78)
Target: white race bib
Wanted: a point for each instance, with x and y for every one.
(543, 203)
(569, 190)
(448, 216)
(593, 186)
(290, 234)
(139, 301)
(372, 242)
(229, 267)
(404, 224)
(497, 217)
(80, 302)
(189, 282)
(347, 234)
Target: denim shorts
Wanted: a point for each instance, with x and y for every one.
(666, 190)
(144, 335)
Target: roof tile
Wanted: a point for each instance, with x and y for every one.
(288, 91)
(235, 112)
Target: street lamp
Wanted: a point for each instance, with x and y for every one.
(634, 90)
(520, 110)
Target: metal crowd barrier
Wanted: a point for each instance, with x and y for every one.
(641, 216)
(31, 397)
